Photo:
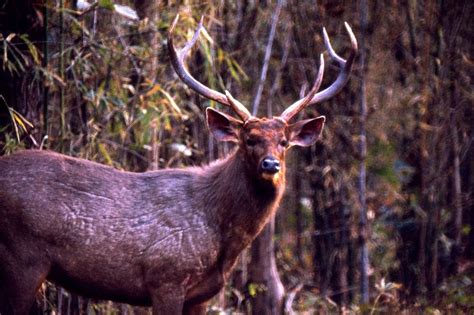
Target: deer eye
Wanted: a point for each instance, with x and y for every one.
(251, 142)
(284, 142)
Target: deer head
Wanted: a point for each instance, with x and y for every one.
(264, 141)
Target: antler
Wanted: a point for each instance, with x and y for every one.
(333, 89)
(177, 59)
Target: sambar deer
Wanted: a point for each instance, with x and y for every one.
(166, 238)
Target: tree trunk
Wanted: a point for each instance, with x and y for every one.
(363, 225)
(297, 181)
(429, 138)
(264, 274)
(457, 197)
(148, 9)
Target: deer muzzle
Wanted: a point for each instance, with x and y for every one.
(270, 165)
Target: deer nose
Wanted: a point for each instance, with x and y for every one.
(270, 165)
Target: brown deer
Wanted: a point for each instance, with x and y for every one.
(166, 238)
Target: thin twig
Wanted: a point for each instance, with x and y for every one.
(62, 121)
(266, 60)
(290, 297)
(45, 63)
(276, 83)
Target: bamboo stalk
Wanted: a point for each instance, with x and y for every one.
(61, 69)
(363, 224)
(45, 64)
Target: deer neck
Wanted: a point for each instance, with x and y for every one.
(241, 202)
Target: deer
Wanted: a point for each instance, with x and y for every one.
(168, 238)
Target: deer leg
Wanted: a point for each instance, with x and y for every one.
(167, 300)
(197, 309)
(19, 282)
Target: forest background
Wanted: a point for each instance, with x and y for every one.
(377, 216)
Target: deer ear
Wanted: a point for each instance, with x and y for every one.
(305, 133)
(223, 127)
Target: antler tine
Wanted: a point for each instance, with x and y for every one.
(238, 107)
(298, 106)
(336, 86)
(178, 62)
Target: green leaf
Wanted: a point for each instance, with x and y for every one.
(466, 229)
(106, 4)
(252, 289)
(105, 154)
(32, 48)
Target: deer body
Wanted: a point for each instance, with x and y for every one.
(115, 235)
(167, 238)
